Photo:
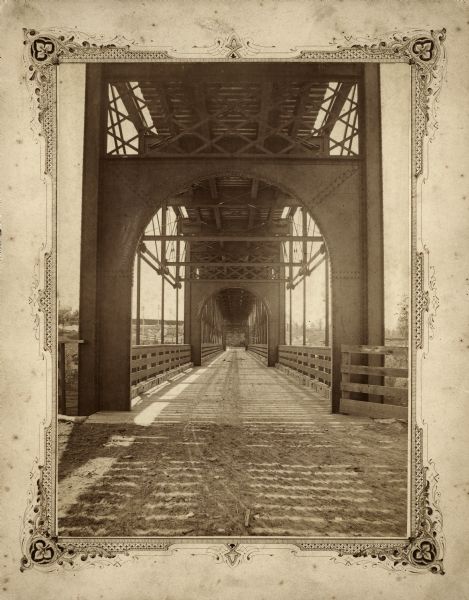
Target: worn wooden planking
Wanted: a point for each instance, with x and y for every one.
(373, 409)
(321, 350)
(379, 390)
(374, 349)
(385, 371)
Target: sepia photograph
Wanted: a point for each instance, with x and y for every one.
(233, 279)
(233, 299)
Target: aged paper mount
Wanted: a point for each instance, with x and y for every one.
(424, 51)
(424, 550)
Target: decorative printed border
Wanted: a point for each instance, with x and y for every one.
(423, 551)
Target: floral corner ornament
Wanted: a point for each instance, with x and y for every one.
(423, 49)
(42, 49)
(43, 550)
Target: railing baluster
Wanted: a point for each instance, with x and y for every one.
(311, 363)
(394, 398)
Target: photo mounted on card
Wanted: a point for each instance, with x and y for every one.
(235, 300)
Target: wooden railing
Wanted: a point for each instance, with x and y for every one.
(67, 376)
(208, 350)
(379, 390)
(260, 349)
(312, 364)
(152, 364)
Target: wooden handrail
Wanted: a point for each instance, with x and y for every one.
(373, 384)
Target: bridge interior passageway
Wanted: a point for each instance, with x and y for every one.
(232, 448)
(228, 346)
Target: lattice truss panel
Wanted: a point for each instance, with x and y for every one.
(158, 253)
(239, 272)
(232, 228)
(309, 254)
(211, 322)
(257, 323)
(175, 119)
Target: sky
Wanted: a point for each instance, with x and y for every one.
(395, 92)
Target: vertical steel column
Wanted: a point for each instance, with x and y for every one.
(290, 275)
(139, 278)
(305, 257)
(95, 106)
(178, 258)
(163, 263)
(326, 283)
(177, 315)
(371, 151)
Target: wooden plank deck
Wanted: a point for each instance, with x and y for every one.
(229, 437)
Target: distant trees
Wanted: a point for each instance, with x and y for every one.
(67, 316)
(403, 317)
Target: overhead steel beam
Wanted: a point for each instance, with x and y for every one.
(230, 264)
(200, 197)
(218, 73)
(234, 281)
(234, 238)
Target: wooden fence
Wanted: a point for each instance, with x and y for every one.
(310, 364)
(151, 365)
(260, 349)
(377, 377)
(209, 350)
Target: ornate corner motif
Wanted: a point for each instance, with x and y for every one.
(54, 47)
(425, 51)
(41, 548)
(423, 552)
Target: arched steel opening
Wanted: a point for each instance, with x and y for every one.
(287, 123)
(229, 255)
(234, 317)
